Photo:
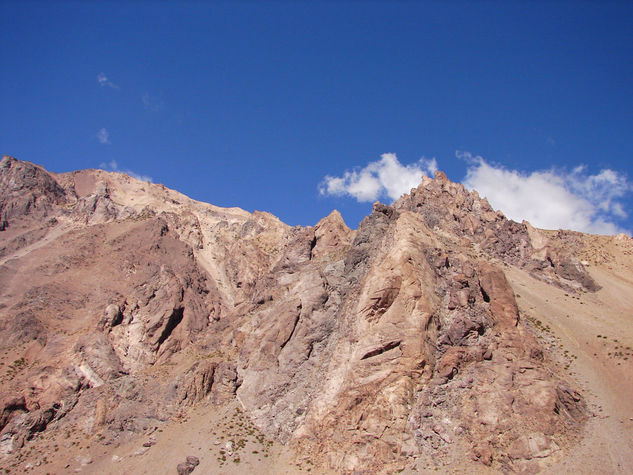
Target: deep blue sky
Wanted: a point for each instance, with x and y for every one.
(253, 104)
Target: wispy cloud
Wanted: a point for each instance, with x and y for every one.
(113, 166)
(152, 103)
(103, 81)
(552, 199)
(386, 177)
(103, 136)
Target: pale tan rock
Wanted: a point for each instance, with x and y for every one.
(331, 234)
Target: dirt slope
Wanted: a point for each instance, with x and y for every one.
(591, 337)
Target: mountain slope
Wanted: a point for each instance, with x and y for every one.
(125, 307)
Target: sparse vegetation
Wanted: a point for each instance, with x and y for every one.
(240, 435)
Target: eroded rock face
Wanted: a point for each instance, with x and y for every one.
(26, 190)
(409, 372)
(331, 234)
(465, 219)
(363, 348)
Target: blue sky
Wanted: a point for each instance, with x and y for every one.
(300, 107)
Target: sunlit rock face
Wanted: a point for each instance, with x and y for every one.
(123, 302)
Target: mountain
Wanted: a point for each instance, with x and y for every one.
(142, 332)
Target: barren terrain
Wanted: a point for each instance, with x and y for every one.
(139, 327)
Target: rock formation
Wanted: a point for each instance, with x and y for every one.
(123, 303)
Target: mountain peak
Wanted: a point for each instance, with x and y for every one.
(414, 341)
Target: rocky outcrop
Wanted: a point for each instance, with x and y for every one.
(96, 359)
(11, 404)
(331, 234)
(216, 381)
(365, 349)
(496, 291)
(97, 207)
(401, 332)
(188, 465)
(26, 190)
(467, 220)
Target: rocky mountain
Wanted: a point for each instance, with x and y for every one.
(416, 342)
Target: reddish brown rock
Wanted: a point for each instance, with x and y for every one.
(365, 349)
(26, 190)
(496, 290)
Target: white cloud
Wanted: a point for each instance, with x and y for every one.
(552, 199)
(103, 136)
(549, 199)
(113, 166)
(103, 81)
(153, 103)
(385, 177)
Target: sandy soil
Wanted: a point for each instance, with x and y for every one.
(591, 338)
(222, 438)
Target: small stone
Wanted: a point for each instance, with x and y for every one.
(184, 468)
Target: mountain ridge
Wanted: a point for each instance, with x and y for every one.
(397, 345)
